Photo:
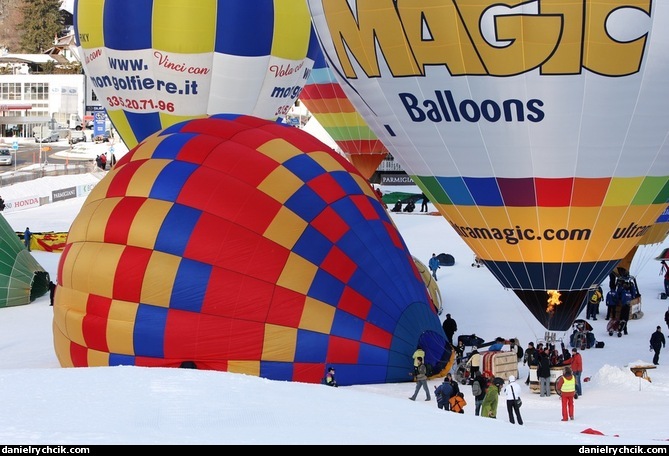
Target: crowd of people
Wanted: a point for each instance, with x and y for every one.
(487, 388)
(101, 161)
(545, 358)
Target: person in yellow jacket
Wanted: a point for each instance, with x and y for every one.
(566, 388)
(419, 353)
(457, 403)
(474, 363)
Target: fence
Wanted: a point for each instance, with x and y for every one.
(28, 174)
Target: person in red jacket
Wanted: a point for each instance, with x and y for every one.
(577, 369)
(566, 388)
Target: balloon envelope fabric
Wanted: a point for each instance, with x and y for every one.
(243, 245)
(155, 63)
(22, 278)
(325, 99)
(535, 128)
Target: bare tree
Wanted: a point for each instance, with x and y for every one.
(11, 16)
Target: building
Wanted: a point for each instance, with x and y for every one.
(31, 97)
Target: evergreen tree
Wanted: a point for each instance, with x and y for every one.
(42, 21)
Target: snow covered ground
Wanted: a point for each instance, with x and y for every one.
(43, 403)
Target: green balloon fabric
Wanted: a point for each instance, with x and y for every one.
(22, 278)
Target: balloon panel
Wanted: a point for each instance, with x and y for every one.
(153, 64)
(643, 252)
(242, 245)
(366, 164)
(539, 135)
(22, 278)
(325, 99)
(659, 231)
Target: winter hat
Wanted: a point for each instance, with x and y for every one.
(512, 378)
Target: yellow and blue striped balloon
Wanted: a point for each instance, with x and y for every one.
(153, 63)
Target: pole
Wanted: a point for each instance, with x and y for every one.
(40, 151)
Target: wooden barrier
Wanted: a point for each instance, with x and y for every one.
(556, 371)
(500, 364)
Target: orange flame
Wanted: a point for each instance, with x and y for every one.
(553, 300)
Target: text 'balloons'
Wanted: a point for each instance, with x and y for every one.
(538, 130)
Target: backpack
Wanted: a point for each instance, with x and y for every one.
(428, 370)
(520, 352)
(596, 297)
(476, 388)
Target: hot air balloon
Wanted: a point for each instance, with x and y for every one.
(238, 244)
(22, 278)
(155, 63)
(646, 249)
(325, 99)
(538, 129)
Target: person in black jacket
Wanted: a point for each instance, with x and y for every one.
(450, 327)
(330, 377)
(454, 384)
(530, 358)
(657, 342)
(397, 207)
(479, 388)
(544, 373)
(423, 205)
(52, 291)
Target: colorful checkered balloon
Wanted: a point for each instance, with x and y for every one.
(241, 245)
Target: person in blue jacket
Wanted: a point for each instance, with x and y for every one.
(443, 393)
(433, 264)
(498, 345)
(26, 238)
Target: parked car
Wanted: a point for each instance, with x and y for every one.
(53, 137)
(6, 157)
(77, 136)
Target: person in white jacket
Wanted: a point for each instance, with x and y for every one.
(512, 392)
